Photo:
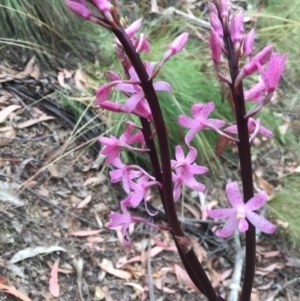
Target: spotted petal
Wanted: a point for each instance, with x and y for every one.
(229, 227)
(260, 222)
(234, 195)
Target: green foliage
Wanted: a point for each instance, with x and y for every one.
(285, 206)
(44, 28)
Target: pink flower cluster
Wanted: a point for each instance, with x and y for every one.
(136, 181)
(222, 21)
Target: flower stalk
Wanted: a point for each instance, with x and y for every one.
(227, 39)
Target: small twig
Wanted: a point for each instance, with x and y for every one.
(279, 290)
(237, 271)
(154, 9)
(21, 101)
(27, 139)
(192, 19)
(150, 280)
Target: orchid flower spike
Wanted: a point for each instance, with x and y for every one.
(240, 213)
(176, 46)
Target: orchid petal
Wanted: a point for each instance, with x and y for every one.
(229, 227)
(234, 195)
(133, 28)
(179, 154)
(243, 225)
(196, 110)
(221, 213)
(257, 201)
(132, 102)
(207, 109)
(162, 86)
(191, 156)
(260, 222)
(187, 121)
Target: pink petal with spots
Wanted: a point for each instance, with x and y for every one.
(257, 201)
(260, 222)
(234, 195)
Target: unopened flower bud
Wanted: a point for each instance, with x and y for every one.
(237, 27)
(212, 8)
(248, 43)
(261, 58)
(176, 46)
(106, 9)
(133, 28)
(215, 46)
(224, 8)
(80, 8)
(216, 24)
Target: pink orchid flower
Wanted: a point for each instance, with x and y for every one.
(260, 58)
(114, 145)
(137, 103)
(124, 220)
(252, 125)
(140, 189)
(185, 171)
(273, 72)
(125, 173)
(240, 212)
(200, 122)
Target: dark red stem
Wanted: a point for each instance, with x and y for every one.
(163, 174)
(244, 149)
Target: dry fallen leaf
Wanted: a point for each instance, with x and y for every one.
(86, 233)
(55, 173)
(80, 80)
(99, 293)
(184, 278)
(9, 133)
(29, 67)
(9, 193)
(7, 111)
(107, 266)
(94, 180)
(13, 291)
(84, 202)
(53, 283)
(31, 122)
(32, 252)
